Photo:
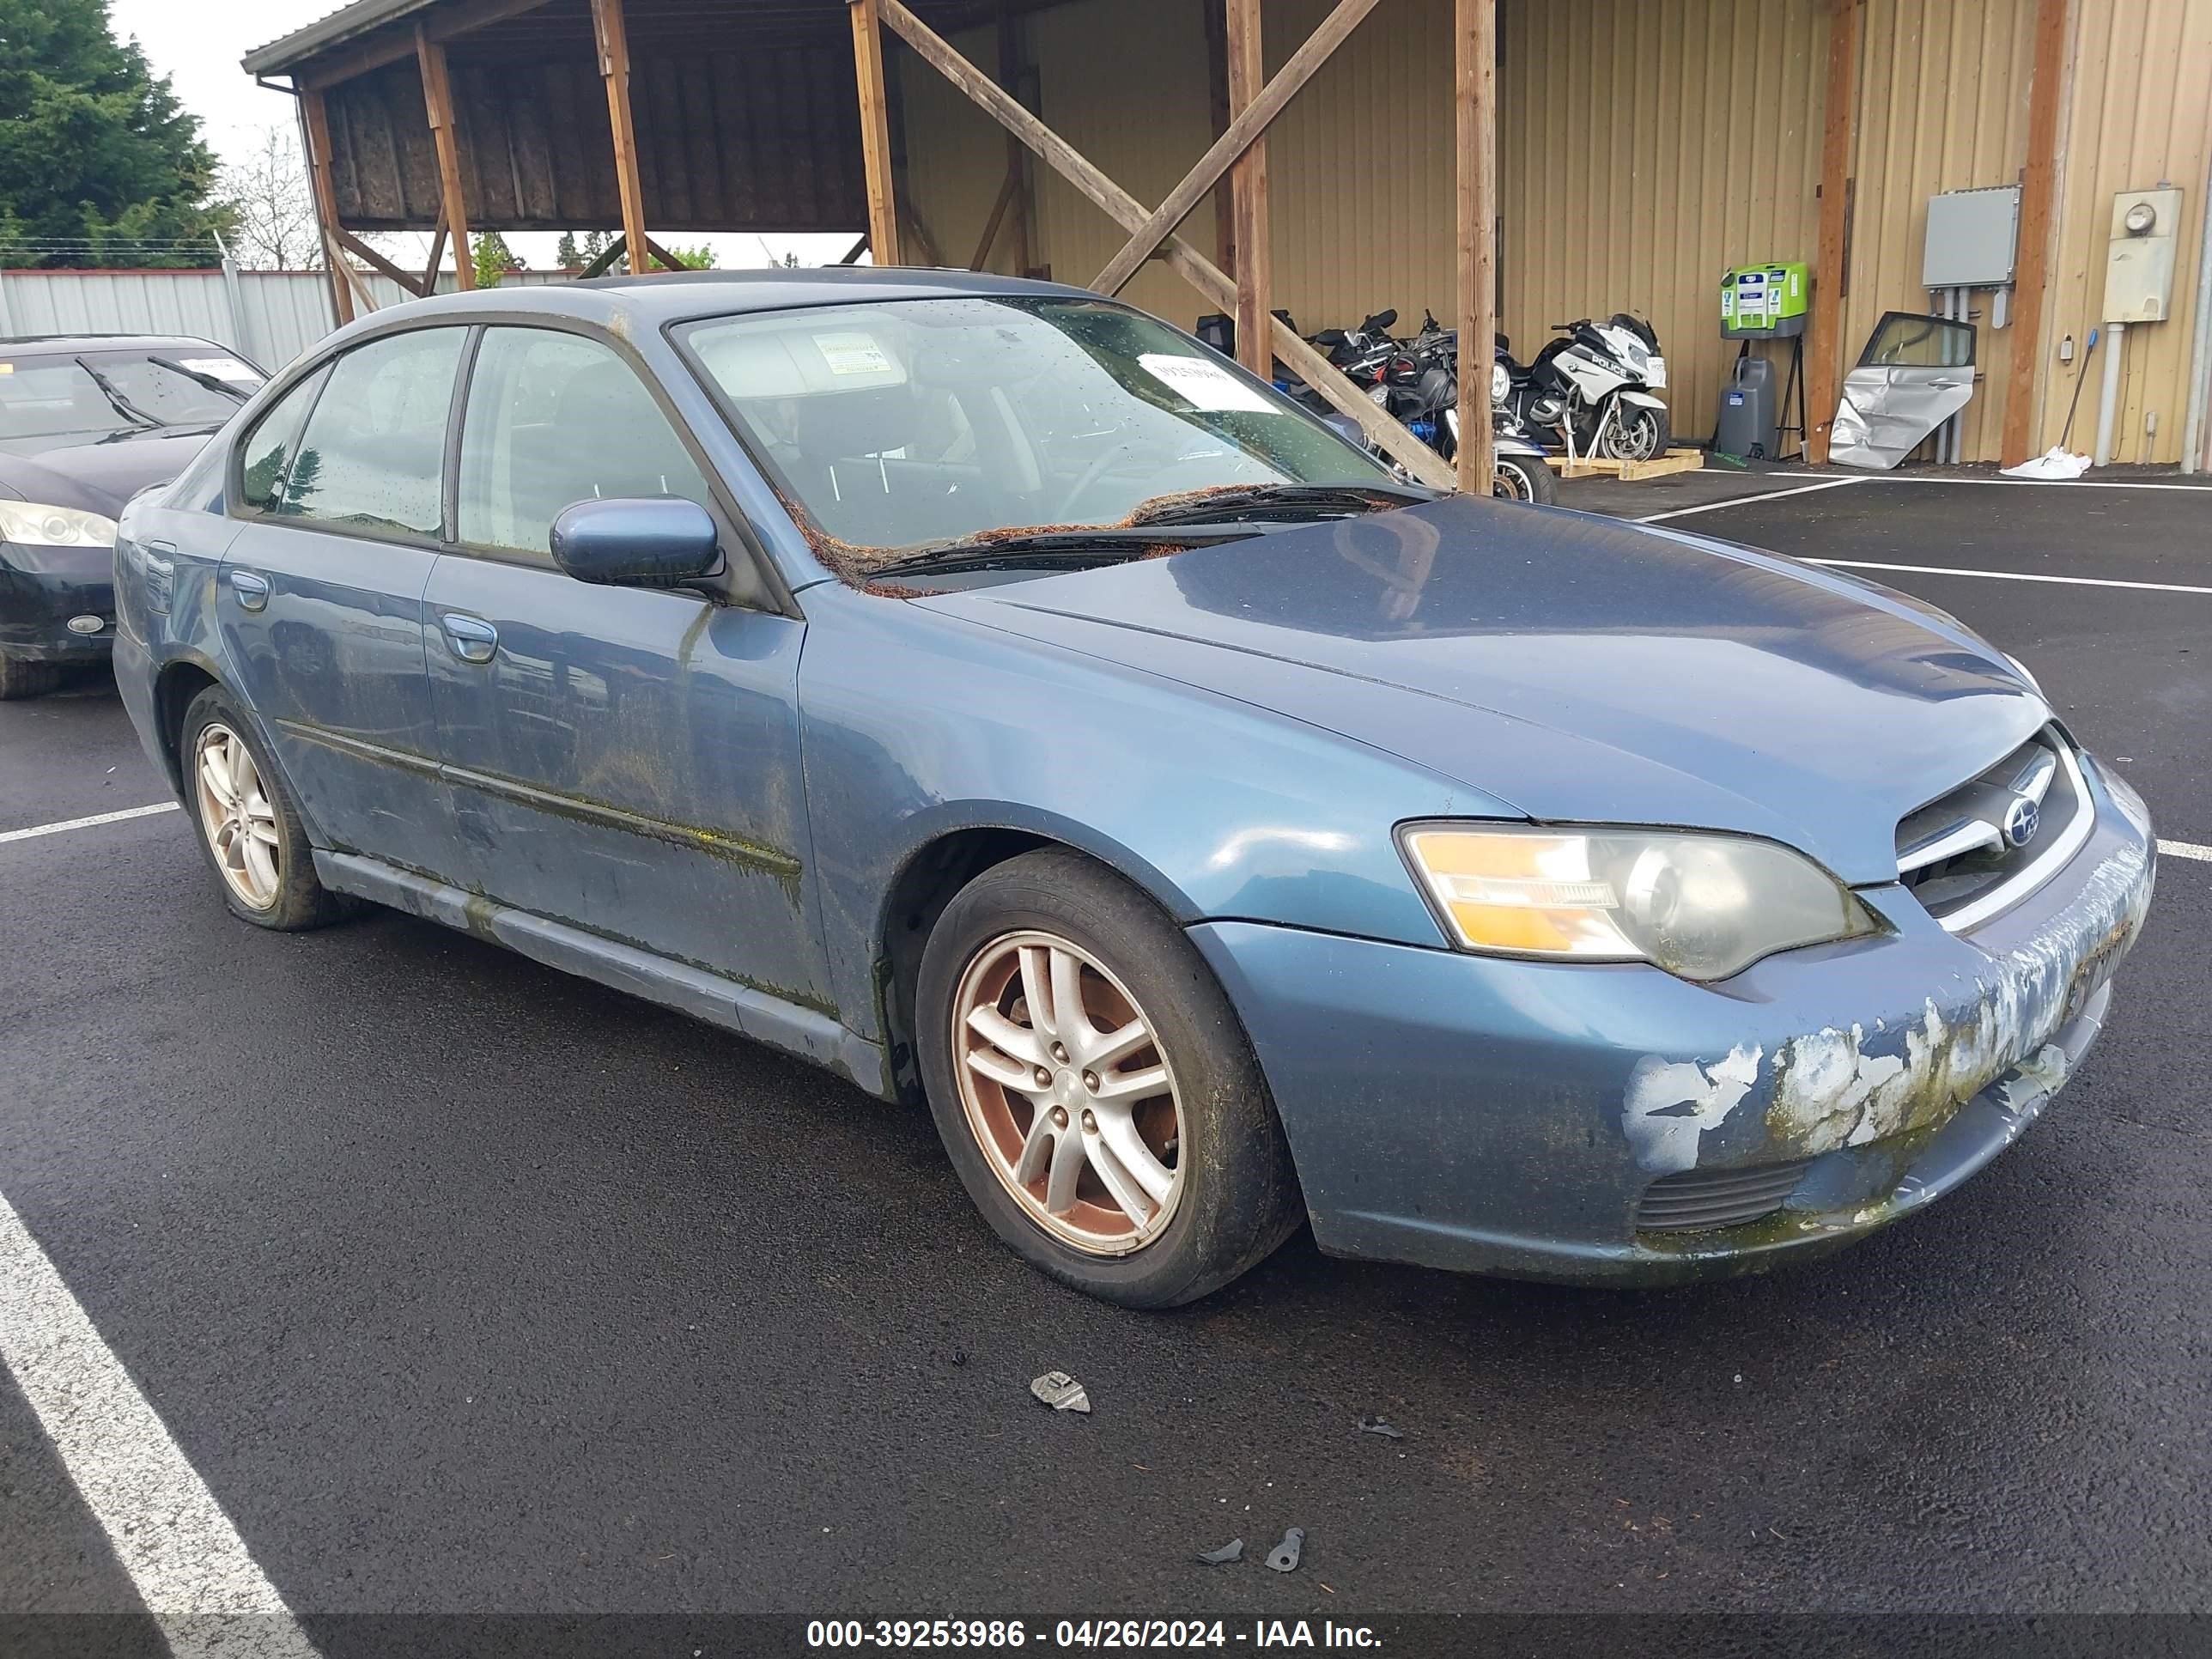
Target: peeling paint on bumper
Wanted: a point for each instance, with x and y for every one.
(1506, 1116)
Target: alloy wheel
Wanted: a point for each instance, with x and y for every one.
(237, 816)
(1069, 1093)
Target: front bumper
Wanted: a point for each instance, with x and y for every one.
(1507, 1117)
(41, 589)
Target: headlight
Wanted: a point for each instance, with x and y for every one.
(32, 524)
(1700, 906)
(1500, 383)
(2020, 669)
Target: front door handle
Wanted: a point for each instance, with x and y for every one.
(253, 590)
(471, 638)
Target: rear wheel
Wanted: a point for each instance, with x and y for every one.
(1524, 478)
(20, 679)
(1636, 431)
(249, 827)
(1094, 1089)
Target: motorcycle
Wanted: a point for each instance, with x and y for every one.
(1592, 387)
(1421, 387)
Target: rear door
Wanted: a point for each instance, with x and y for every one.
(621, 759)
(320, 599)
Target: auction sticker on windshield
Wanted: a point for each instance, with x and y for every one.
(1207, 386)
(223, 368)
(853, 353)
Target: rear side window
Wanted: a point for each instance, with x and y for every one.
(266, 455)
(373, 457)
(554, 419)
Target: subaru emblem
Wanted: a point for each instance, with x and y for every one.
(2020, 819)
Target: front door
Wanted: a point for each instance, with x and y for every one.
(319, 598)
(623, 760)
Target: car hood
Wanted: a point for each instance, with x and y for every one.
(1571, 668)
(99, 476)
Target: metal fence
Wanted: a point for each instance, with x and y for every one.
(268, 316)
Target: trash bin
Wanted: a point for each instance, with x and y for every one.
(1746, 426)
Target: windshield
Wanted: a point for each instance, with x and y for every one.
(922, 422)
(89, 393)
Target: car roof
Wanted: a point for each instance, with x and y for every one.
(670, 296)
(61, 346)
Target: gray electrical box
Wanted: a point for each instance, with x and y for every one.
(2139, 260)
(1973, 237)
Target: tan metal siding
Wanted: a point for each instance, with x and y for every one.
(2140, 111)
(955, 153)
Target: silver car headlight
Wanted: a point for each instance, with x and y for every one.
(1702, 907)
(30, 523)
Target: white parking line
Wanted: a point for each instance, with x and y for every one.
(2012, 576)
(1746, 500)
(2185, 849)
(2032, 484)
(185, 1560)
(92, 821)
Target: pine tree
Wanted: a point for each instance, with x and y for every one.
(99, 164)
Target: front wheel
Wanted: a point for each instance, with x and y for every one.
(1634, 432)
(249, 827)
(19, 678)
(1524, 478)
(1094, 1088)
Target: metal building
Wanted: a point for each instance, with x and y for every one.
(1642, 147)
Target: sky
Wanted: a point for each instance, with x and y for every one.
(197, 44)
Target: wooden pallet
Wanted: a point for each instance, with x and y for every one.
(1592, 466)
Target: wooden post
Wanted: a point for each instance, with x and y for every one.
(1256, 265)
(438, 99)
(1018, 159)
(1474, 38)
(315, 130)
(875, 131)
(1217, 87)
(429, 285)
(2038, 196)
(1824, 356)
(613, 40)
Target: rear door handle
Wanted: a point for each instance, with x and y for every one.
(471, 638)
(253, 590)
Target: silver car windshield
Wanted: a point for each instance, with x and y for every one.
(919, 422)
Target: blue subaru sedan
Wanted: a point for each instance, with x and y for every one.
(981, 689)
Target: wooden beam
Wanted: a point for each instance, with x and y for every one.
(1006, 192)
(1217, 94)
(444, 24)
(853, 253)
(376, 262)
(613, 41)
(1255, 256)
(668, 260)
(602, 262)
(1831, 273)
(315, 131)
(875, 131)
(437, 99)
(2038, 197)
(429, 282)
(1254, 111)
(1308, 364)
(1474, 40)
(1018, 159)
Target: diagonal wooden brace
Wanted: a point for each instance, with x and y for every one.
(1255, 119)
(1393, 440)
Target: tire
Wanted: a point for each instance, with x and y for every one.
(295, 900)
(20, 679)
(1636, 433)
(1520, 478)
(1234, 1196)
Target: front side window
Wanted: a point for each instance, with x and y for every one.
(372, 456)
(925, 420)
(266, 455)
(554, 419)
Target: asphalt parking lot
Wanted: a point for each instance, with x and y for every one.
(464, 1287)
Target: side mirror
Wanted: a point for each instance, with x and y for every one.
(644, 541)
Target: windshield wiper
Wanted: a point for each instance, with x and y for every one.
(208, 380)
(121, 404)
(1273, 499)
(1000, 551)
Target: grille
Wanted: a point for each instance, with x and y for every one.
(1959, 854)
(1696, 1200)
